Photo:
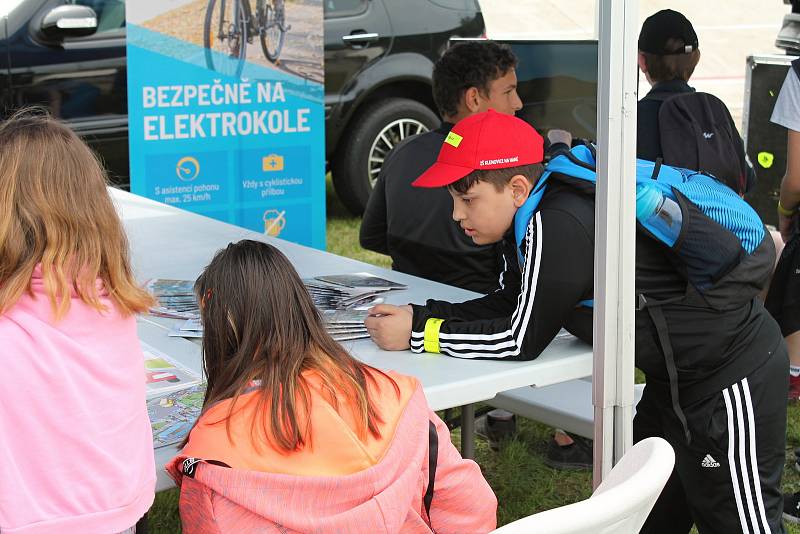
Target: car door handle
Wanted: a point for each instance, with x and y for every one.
(360, 38)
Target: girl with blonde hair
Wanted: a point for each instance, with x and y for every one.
(76, 450)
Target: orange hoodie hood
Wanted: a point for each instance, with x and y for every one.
(341, 483)
(333, 447)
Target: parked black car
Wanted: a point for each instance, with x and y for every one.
(379, 56)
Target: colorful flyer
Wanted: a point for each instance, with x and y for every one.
(163, 374)
(174, 414)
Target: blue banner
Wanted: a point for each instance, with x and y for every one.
(217, 126)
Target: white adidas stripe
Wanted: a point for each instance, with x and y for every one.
(738, 458)
(732, 461)
(534, 279)
(473, 337)
(753, 456)
(745, 472)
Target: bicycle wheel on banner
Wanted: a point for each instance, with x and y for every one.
(225, 37)
(272, 29)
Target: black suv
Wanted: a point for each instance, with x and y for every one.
(379, 56)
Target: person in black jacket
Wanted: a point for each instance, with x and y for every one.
(668, 55)
(489, 164)
(715, 361)
(415, 226)
(717, 396)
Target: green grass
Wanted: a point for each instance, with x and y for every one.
(517, 474)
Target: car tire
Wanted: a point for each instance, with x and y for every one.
(351, 167)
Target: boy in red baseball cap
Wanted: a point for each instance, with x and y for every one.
(490, 164)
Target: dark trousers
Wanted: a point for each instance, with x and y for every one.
(728, 479)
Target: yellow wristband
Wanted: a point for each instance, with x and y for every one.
(783, 211)
(432, 327)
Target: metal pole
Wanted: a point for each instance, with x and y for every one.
(615, 234)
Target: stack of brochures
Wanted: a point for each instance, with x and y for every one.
(346, 325)
(341, 299)
(344, 298)
(342, 325)
(327, 297)
(176, 298)
(361, 280)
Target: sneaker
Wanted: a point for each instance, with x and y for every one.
(794, 388)
(576, 455)
(791, 507)
(495, 426)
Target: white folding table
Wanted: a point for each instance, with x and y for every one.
(170, 243)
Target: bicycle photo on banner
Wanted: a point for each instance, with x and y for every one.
(226, 111)
(231, 24)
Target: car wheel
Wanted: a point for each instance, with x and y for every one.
(377, 129)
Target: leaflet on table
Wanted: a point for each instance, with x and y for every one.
(361, 280)
(179, 331)
(350, 337)
(328, 297)
(174, 414)
(344, 328)
(163, 374)
(341, 317)
(194, 325)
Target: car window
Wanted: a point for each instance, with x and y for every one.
(110, 13)
(344, 8)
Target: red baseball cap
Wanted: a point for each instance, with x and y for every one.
(484, 141)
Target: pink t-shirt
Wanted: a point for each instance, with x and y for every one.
(76, 452)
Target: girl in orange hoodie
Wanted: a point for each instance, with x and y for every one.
(296, 435)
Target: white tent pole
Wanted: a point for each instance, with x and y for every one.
(615, 234)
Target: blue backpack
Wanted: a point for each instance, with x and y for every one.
(726, 253)
(718, 232)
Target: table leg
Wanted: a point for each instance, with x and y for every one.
(468, 431)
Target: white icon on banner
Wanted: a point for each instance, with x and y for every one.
(187, 168)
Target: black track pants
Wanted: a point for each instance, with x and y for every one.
(728, 479)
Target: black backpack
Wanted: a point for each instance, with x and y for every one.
(697, 133)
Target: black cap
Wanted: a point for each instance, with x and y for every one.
(663, 26)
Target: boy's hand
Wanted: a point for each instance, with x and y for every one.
(390, 326)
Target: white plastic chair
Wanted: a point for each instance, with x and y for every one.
(620, 505)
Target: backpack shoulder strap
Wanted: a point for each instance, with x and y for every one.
(433, 455)
(578, 163)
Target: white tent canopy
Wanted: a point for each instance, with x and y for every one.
(615, 252)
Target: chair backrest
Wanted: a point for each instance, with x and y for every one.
(620, 505)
